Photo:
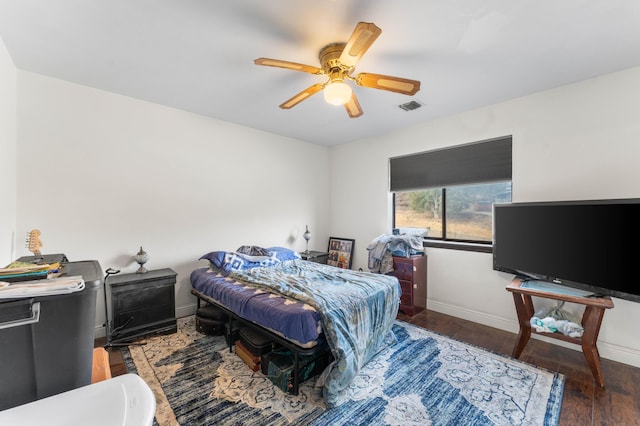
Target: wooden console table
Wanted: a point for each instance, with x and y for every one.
(591, 321)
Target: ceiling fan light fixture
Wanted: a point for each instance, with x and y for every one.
(338, 62)
(337, 93)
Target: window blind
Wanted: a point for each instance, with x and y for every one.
(479, 162)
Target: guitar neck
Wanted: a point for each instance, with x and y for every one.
(33, 242)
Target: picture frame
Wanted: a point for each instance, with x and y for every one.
(340, 252)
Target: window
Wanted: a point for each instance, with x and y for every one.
(450, 192)
(457, 213)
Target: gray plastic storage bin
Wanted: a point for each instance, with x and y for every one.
(54, 354)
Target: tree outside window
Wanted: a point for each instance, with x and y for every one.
(454, 213)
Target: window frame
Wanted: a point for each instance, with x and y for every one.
(444, 241)
(474, 163)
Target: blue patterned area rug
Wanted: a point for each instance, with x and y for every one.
(424, 379)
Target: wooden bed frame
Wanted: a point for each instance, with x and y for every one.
(294, 348)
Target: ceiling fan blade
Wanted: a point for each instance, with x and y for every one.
(353, 107)
(295, 100)
(362, 38)
(268, 62)
(387, 82)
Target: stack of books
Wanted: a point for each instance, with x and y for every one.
(24, 279)
(26, 271)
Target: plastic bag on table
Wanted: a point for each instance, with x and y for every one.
(557, 313)
(551, 325)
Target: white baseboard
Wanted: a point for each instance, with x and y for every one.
(99, 332)
(185, 311)
(479, 317)
(607, 350)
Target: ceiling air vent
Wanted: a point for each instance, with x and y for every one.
(410, 106)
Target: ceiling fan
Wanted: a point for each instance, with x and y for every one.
(338, 61)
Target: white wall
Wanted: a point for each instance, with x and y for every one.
(8, 140)
(102, 174)
(573, 142)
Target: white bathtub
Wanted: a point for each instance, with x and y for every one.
(123, 400)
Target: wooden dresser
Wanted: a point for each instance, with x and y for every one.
(412, 274)
(143, 304)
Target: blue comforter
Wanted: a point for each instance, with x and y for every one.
(357, 311)
(296, 321)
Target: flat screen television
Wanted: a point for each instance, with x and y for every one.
(590, 245)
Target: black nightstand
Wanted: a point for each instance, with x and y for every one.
(142, 304)
(315, 256)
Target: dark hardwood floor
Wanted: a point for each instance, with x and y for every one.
(583, 403)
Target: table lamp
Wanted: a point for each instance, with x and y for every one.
(307, 237)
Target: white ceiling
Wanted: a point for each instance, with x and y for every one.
(197, 55)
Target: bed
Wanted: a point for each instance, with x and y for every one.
(306, 305)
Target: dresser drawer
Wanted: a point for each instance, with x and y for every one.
(143, 316)
(411, 272)
(143, 298)
(403, 270)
